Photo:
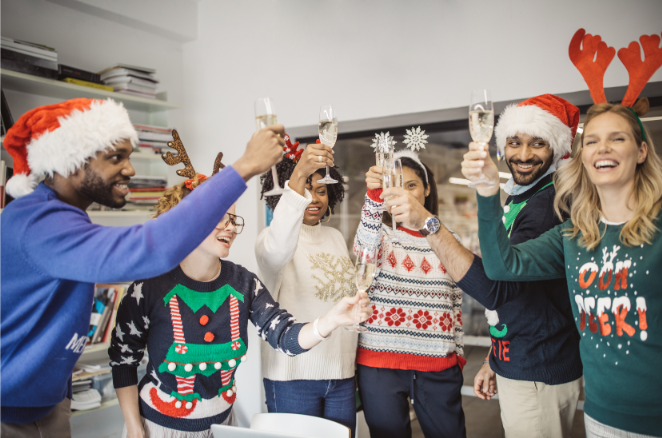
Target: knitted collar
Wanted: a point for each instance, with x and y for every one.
(311, 233)
(204, 286)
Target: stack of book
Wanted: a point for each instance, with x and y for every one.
(104, 311)
(129, 79)
(153, 139)
(85, 399)
(30, 58)
(145, 191)
(77, 76)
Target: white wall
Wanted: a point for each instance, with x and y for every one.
(376, 58)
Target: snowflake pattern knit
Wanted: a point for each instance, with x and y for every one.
(196, 334)
(417, 320)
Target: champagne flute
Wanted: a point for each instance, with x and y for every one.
(392, 177)
(265, 115)
(481, 125)
(328, 130)
(384, 157)
(366, 263)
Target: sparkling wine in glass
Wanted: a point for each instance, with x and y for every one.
(366, 264)
(328, 130)
(265, 115)
(481, 125)
(384, 158)
(392, 177)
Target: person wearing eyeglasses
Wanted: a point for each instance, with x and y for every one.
(193, 322)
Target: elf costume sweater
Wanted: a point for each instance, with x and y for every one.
(52, 254)
(611, 288)
(308, 270)
(196, 334)
(417, 318)
(532, 327)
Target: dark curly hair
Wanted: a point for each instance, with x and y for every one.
(335, 192)
(431, 200)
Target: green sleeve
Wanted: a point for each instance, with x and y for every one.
(536, 259)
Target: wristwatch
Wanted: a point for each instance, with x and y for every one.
(431, 226)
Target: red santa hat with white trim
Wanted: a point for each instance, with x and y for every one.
(60, 138)
(547, 116)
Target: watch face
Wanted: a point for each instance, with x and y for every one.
(433, 225)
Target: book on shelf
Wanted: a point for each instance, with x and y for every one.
(127, 79)
(155, 136)
(152, 128)
(25, 58)
(104, 310)
(65, 71)
(87, 84)
(29, 69)
(29, 48)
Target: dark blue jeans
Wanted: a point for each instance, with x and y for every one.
(435, 396)
(334, 400)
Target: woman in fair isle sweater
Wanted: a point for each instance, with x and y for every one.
(193, 320)
(307, 268)
(414, 344)
(610, 254)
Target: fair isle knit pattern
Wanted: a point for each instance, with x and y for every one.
(417, 321)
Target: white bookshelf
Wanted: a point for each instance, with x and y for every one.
(25, 83)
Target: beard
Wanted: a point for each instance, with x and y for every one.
(100, 191)
(525, 180)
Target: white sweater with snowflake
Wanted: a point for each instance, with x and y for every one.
(417, 322)
(307, 269)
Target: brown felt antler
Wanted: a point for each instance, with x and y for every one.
(217, 163)
(640, 72)
(592, 71)
(181, 157)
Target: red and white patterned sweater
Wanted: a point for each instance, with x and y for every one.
(417, 321)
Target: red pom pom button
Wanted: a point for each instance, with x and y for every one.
(209, 336)
(204, 319)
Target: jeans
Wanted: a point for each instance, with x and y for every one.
(334, 400)
(435, 397)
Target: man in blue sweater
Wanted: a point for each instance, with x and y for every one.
(534, 359)
(53, 254)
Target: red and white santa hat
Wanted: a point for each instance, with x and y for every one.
(547, 116)
(60, 138)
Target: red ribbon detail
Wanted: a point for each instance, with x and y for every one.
(189, 182)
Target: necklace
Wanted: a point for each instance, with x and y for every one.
(216, 275)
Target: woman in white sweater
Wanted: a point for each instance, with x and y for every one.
(307, 268)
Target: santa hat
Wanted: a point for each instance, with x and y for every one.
(60, 138)
(548, 117)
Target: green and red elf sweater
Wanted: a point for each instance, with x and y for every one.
(612, 289)
(196, 334)
(417, 318)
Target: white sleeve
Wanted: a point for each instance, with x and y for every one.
(276, 246)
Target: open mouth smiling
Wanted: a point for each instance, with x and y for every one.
(605, 164)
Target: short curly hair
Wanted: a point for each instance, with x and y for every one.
(336, 192)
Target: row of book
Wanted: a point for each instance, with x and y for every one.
(153, 139)
(145, 191)
(128, 79)
(104, 311)
(41, 60)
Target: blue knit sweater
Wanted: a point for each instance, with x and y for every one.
(196, 334)
(51, 257)
(535, 338)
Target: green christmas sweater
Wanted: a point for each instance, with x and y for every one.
(196, 336)
(611, 288)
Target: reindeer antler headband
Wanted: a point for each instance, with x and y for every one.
(584, 47)
(182, 157)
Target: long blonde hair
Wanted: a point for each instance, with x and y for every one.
(175, 194)
(577, 196)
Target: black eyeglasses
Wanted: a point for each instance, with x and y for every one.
(236, 221)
